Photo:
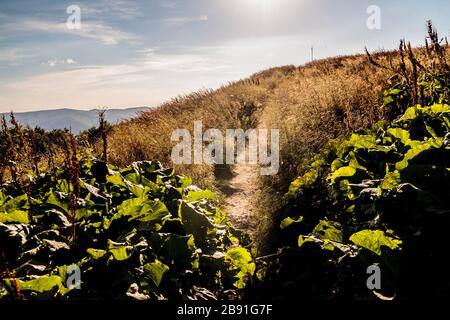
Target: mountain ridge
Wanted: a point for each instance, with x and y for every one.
(73, 119)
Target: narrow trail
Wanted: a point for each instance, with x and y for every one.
(239, 202)
(240, 186)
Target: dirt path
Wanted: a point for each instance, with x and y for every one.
(239, 203)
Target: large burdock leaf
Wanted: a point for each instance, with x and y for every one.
(418, 148)
(327, 233)
(344, 172)
(14, 210)
(195, 222)
(96, 253)
(241, 262)
(201, 195)
(391, 180)
(119, 251)
(374, 240)
(184, 182)
(17, 216)
(307, 180)
(42, 284)
(14, 233)
(366, 142)
(155, 271)
(328, 230)
(20, 202)
(118, 180)
(399, 134)
(180, 251)
(59, 200)
(410, 114)
(142, 209)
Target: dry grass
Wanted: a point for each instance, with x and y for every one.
(318, 102)
(148, 137)
(311, 104)
(324, 100)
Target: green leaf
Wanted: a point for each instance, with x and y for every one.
(391, 180)
(440, 108)
(418, 148)
(374, 240)
(307, 180)
(96, 253)
(399, 134)
(344, 172)
(185, 182)
(119, 251)
(118, 180)
(142, 209)
(195, 222)
(155, 271)
(240, 260)
(328, 230)
(41, 284)
(366, 142)
(180, 251)
(289, 221)
(200, 195)
(17, 203)
(57, 200)
(410, 114)
(14, 216)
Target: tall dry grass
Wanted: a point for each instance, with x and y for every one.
(318, 102)
(148, 137)
(334, 97)
(310, 105)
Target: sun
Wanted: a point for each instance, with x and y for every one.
(264, 6)
(262, 3)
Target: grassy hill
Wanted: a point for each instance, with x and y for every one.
(363, 185)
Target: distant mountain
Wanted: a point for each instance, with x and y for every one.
(76, 120)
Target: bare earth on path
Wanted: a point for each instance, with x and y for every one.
(239, 203)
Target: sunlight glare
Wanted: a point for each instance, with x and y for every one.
(263, 5)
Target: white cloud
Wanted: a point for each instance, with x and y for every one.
(92, 30)
(180, 21)
(13, 56)
(168, 4)
(123, 9)
(155, 59)
(89, 76)
(120, 9)
(55, 62)
(148, 79)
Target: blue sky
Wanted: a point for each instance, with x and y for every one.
(140, 53)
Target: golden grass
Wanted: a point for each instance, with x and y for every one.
(310, 105)
(148, 137)
(318, 102)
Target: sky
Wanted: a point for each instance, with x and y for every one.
(128, 53)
